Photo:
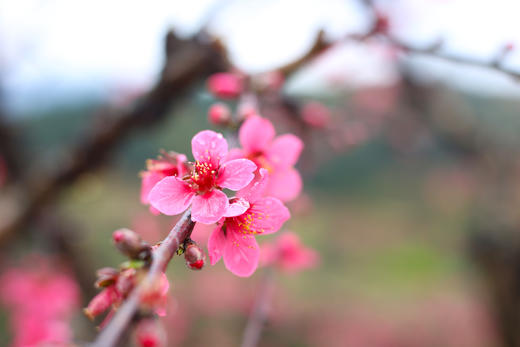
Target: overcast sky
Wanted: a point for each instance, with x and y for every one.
(56, 47)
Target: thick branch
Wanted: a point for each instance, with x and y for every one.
(186, 62)
(111, 334)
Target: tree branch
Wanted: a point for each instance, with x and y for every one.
(260, 311)
(186, 62)
(111, 334)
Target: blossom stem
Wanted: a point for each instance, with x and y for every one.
(260, 311)
(161, 257)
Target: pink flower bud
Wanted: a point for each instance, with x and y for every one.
(219, 114)
(130, 244)
(316, 114)
(101, 302)
(225, 85)
(126, 281)
(150, 333)
(194, 256)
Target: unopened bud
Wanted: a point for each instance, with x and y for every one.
(225, 85)
(150, 333)
(101, 302)
(219, 114)
(194, 256)
(130, 244)
(126, 281)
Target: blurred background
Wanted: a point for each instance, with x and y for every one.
(409, 111)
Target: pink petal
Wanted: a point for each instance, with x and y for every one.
(255, 134)
(236, 174)
(216, 245)
(237, 207)
(267, 215)
(149, 180)
(241, 254)
(171, 196)
(285, 150)
(209, 146)
(256, 189)
(285, 184)
(210, 207)
(235, 153)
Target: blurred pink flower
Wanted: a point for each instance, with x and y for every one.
(289, 254)
(150, 333)
(316, 114)
(277, 155)
(42, 299)
(219, 114)
(170, 164)
(202, 189)
(225, 85)
(249, 214)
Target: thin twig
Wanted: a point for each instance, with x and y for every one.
(260, 311)
(111, 334)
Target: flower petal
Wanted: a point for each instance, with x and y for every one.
(216, 244)
(236, 174)
(209, 146)
(285, 184)
(267, 215)
(285, 150)
(149, 180)
(210, 207)
(256, 189)
(235, 153)
(171, 196)
(237, 207)
(241, 254)
(255, 134)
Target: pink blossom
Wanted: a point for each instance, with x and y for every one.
(219, 114)
(202, 188)
(316, 114)
(225, 85)
(41, 299)
(248, 215)
(150, 333)
(170, 164)
(289, 254)
(277, 155)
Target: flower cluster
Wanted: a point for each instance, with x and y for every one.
(42, 300)
(261, 173)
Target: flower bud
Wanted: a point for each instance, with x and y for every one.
(225, 85)
(126, 281)
(150, 333)
(106, 277)
(101, 302)
(130, 244)
(194, 256)
(219, 114)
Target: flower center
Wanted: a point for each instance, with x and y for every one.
(204, 175)
(260, 160)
